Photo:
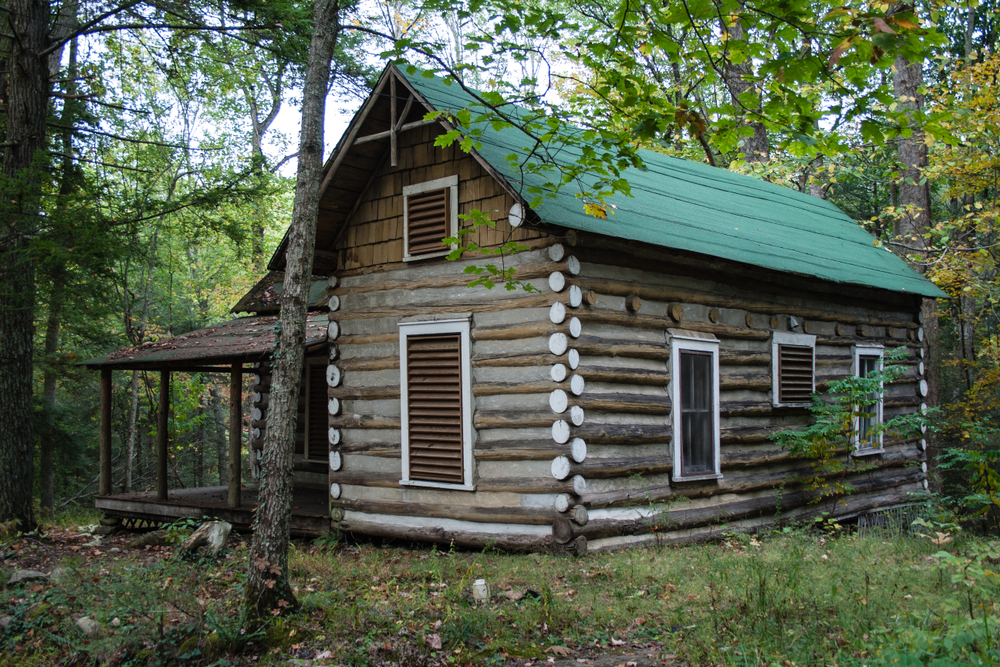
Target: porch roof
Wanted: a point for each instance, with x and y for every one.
(242, 340)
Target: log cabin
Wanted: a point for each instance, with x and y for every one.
(629, 394)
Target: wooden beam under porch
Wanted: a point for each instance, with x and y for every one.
(309, 507)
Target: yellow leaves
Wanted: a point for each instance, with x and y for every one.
(836, 12)
(595, 210)
(940, 539)
(904, 23)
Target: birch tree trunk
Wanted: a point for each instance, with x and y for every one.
(267, 586)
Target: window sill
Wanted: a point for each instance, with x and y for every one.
(428, 255)
(867, 451)
(698, 478)
(437, 485)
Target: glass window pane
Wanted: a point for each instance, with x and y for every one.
(697, 413)
(868, 417)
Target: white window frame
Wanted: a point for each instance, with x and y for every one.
(455, 325)
(697, 342)
(868, 350)
(310, 364)
(799, 340)
(450, 182)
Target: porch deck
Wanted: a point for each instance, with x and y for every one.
(309, 507)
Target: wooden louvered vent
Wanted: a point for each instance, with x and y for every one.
(434, 407)
(316, 437)
(795, 374)
(427, 217)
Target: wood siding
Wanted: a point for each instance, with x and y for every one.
(374, 234)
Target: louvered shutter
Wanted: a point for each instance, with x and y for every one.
(427, 218)
(316, 438)
(434, 407)
(795, 374)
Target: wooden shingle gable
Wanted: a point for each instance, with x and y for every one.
(370, 144)
(376, 235)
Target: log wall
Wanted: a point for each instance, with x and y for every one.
(571, 391)
(630, 295)
(306, 473)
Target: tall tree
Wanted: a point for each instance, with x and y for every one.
(913, 188)
(31, 45)
(267, 586)
(27, 93)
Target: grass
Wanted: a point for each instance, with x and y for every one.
(791, 598)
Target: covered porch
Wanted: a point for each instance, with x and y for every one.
(235, 348)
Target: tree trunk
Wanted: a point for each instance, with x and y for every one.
(136, 336)
(68, 184)
(267, 586)
(46, 447)
(219, 421)
(199, 450)
(133, 415)
(738, 81)
(26, 101)
(912, 156)
(970, 27)
(914, 195)
(258, 127)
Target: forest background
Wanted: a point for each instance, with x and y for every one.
(159, 190)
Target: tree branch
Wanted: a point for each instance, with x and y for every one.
(130, 139)
(142, 26)
(102, 164)
(285, 159)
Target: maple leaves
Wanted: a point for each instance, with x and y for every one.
(856, 21)
(263, 565)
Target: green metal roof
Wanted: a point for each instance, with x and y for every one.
(691, 206)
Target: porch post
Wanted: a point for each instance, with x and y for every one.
(105, 433)
(235, 432)
(161, 436)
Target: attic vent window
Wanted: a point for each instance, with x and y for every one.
(436, 404)
(793, 364)
(430, 214)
